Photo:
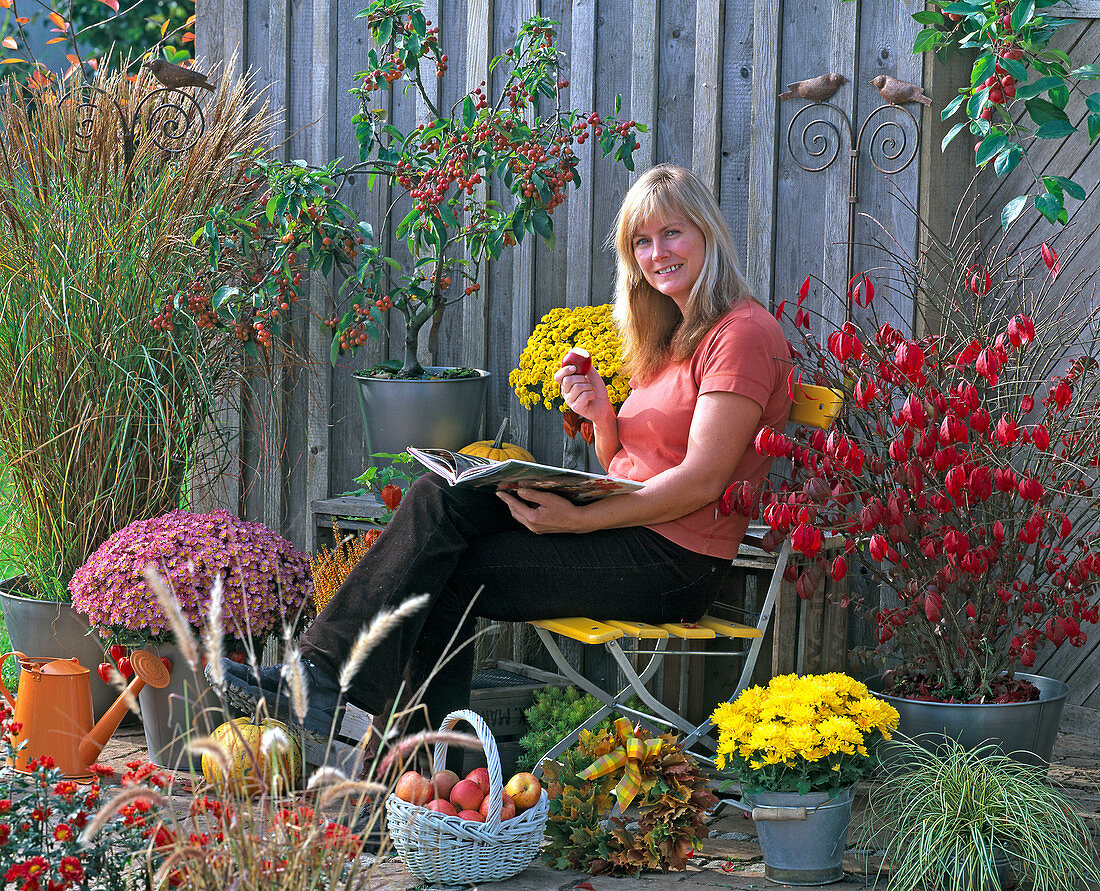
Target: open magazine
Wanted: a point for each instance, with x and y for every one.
(472, 470)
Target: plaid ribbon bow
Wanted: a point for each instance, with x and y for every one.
(632, 755)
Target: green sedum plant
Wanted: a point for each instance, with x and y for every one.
(953, 816)
(555, 712)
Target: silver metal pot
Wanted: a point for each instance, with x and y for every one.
(440, 414)
(1025, 731)
(809, 851)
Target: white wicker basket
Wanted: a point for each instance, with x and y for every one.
(452, 851)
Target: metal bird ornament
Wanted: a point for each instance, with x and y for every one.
(898, 92)
(175, 76)
(816, 89)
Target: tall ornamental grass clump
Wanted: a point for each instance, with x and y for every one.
(105, 397)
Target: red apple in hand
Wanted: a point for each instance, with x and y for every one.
(443, 807)
(471, 815)
(525, 790)
(413, 788)
(443, 781)
(507, 808)
(466, 795)
(579, 358)
(480, 775)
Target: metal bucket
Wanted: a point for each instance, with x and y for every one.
(1026, 731)
(804, 852)
(441, 414)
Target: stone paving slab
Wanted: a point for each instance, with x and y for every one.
(730, 858)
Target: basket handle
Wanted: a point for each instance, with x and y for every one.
(489, 744)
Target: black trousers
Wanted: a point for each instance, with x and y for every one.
(462, 545)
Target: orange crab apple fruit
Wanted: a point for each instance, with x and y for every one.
(579, 358)
(525, 790)
(413, 788)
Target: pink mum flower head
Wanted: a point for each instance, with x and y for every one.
(266, 579)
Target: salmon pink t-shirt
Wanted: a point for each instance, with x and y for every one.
(744, 353)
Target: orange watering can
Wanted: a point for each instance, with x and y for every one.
(54, 705)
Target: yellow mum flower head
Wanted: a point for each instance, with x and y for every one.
(590, 327)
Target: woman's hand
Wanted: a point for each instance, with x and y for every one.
(586, 394)
(543, 512)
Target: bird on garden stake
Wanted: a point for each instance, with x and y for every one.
(897, 92)
(817, 89)
(175, 76)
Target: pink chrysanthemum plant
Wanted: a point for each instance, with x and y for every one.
(266, 580)
(962, 473)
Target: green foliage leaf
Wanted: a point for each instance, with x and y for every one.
(1094, 126)
(1016, 68)
(927, 17)
(1029, 91)
(953, 106)
(468, 111)
(1049, 205)
(1022, 13)
(927, 39)
(983, 67)
(1086, 72)
(1055, 130)
(1092, 102)
(1068, 186)
(990, 147)
(1006, 161)
(1042, 111)
(1012, 210)
(951, 134)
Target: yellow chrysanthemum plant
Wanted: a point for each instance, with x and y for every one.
(588, 327)
(811, 733)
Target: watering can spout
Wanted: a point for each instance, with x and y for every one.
(148, 669)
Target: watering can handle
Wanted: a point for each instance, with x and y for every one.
(778, 813)
(3, 688)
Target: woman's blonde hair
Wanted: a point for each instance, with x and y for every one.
(650, 324)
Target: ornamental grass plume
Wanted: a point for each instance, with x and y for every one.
(962, 471)
(104, 414)
(802, 734)
(264, 580)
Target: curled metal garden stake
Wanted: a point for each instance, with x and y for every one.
(820, 142)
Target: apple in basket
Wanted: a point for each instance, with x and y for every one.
(480, 775)
(507, 807)
(466, 796)
(443, 781)
(471, 815)
(525, 790)
(413, 788)
(442, 806)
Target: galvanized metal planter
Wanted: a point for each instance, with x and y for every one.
(49, 628)
(440, 414)
(1025, 731)
(804, 852)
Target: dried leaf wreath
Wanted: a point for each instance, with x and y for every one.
(671, 803)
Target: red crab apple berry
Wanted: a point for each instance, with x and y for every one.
(443, 807)
(480, 775)
(579, 358)
(471, 815)
(443, 781)
(466, 795)
(413, 788)
(525, 790)
(507, 807)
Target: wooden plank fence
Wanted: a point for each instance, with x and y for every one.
(704, 75)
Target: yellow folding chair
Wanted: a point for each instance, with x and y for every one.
(814, 407)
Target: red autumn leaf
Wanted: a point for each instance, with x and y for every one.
(10, 43)
(779, 309)
(584, 886)
(111, 3)
(59, 21)
(804, 290)
(1050, 257)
